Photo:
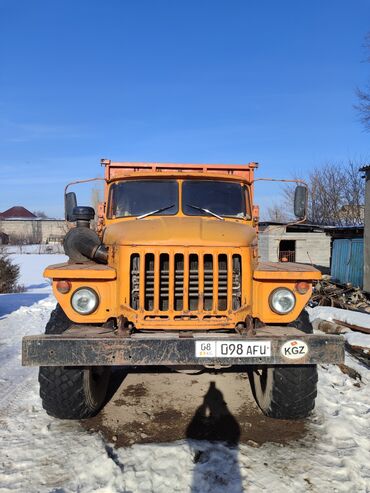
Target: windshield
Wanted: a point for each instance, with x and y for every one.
(221, 198)
(143, 197)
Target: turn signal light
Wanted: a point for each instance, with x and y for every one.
(302, 287)
(63, 287)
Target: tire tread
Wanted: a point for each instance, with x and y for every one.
(293, 393)
(62, 389)
(294, 388)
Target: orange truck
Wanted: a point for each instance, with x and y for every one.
(172, 277)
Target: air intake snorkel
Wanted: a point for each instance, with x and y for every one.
(82, 243)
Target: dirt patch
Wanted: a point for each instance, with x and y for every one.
(131, 395)
(163, 406)
(138, 390)
(166, 417)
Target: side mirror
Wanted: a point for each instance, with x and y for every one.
(300, 201)
(70, 202)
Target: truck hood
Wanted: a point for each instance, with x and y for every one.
(184, 231)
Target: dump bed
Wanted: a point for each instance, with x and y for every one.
(116, 170)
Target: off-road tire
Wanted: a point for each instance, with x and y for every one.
(286, 392)
(70, 392)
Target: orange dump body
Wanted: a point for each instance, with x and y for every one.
(182, 272)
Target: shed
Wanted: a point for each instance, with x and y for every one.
(302, 243)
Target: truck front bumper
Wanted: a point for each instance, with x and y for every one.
(97, 346)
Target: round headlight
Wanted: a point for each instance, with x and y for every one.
(282, 301)
(84, 301)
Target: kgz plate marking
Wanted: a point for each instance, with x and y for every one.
(294, 349)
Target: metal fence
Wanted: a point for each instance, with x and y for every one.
(288, 256)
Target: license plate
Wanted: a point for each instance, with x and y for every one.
(235, 349)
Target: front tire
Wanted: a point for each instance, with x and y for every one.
(70, 392)
(287, 392)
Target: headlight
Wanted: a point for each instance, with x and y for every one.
(84, 301)
(282, 301)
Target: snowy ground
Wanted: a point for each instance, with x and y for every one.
(348, 316)
(41, 454)
(42, 248)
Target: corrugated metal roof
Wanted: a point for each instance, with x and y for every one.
(294, 227)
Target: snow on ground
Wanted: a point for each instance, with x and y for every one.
(32, 266)
(28, 312)
(351, 317)
(41, 454)
(358, 339)
(330, 313)
(37, 287)
(42, 248)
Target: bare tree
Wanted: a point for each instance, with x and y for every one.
(336, 195)
(40, 214)
(95, 199)
(276, 213)
(363, 95)
(326, 186)
(363, 107)
(354, 195)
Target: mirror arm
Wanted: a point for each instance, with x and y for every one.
(76, 183)
(302, 182)
(298, 181)
(81, 181)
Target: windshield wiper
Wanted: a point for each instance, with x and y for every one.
(207, 211)
(155, 211)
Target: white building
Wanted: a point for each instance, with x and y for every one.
(302, 243)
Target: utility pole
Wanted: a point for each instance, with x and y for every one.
(366, 286)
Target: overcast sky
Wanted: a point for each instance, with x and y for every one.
(180, 81)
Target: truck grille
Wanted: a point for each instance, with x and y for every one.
(185, 282)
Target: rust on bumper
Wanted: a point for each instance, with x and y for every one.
(95, 346)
